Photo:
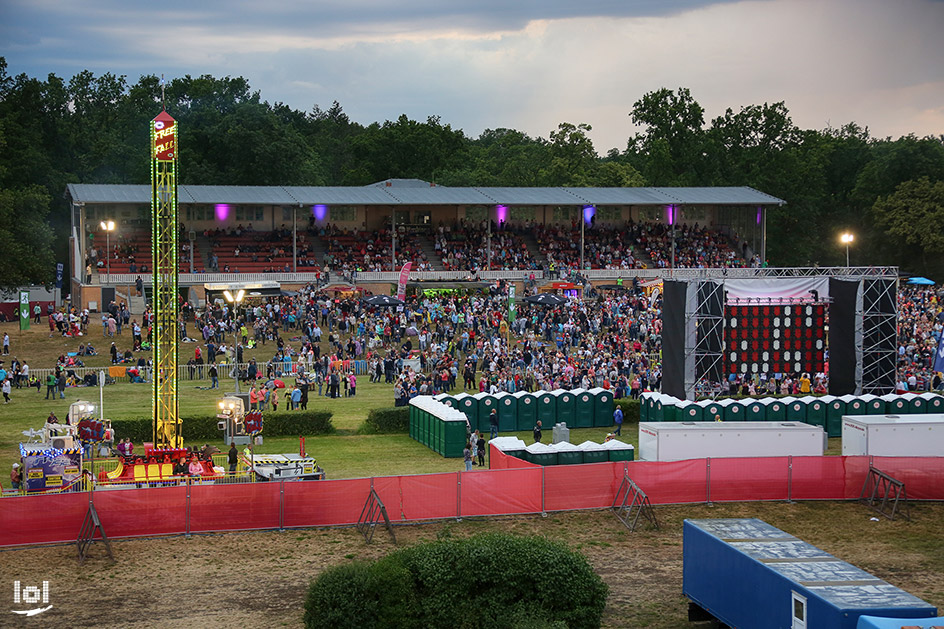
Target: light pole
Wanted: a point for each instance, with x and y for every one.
(235, 301)
(108, 227)
(846, 238)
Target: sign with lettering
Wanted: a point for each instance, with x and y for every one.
(164, 138)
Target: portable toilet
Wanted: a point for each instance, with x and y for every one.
(541, 454)
(796, 409)
(562, 404)
(854, 405)
(657, 413)
(455, 433)
(584, 407)
(527, 412)
(445, 398)
(512, 446)
(568, 453)
(733, 411)
(895, 404)
(917, 405)
(602, 407)
(754, 410)
(470, 406)
(686, 411)
(644, 405)
(710, 410)
(815, 410)
(545, 407)
(486, 402)
(669, 408)
(776, 410)
(934, 403)
(507, 412)
(874, 405)
(619, 451)
(594, 452)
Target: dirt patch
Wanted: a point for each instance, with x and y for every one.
(260, 579)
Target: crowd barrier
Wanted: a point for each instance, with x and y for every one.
(510, 487)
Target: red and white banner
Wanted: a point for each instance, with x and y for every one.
(404, 276)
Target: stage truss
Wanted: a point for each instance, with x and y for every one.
(880, 336)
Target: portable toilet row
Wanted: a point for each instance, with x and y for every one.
(569, 454)
(440, 427)
(520, 411)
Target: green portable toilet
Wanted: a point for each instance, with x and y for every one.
(414, 415)
(485, 402)
(657, 413)
(541, 454)
(644, 406)
(470, 406)
(568, 453)
(815, 411)
(754, 410)
(934, 403)
(733, 410)
(651, 402)
(446, 398)
(594, 452)
(545, 403)
(565, 402)
(917, 405)
(584, 406)
(776, 410)
(686, 411)
(895, 404)
(619, 451)
(874, 405)
(602, 407)
(507, 405)
(835, 409)
(710, 410)
(527, 412)
(854, 405)
(455, 434)
(435, 434)
(667, 408)
(796, 409)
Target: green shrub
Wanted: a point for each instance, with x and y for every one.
(491, 580)
(630, 409)
(387, 420)
(204, 428)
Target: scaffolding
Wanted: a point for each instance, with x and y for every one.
(879, 335)
(704, 348)
(167, 429)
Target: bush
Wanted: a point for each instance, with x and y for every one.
(490, 580)
(204, 428)
(387, 420)
(630, 409)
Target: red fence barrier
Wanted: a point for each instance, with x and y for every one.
(510, 487)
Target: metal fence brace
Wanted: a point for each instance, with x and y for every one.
(883, 494)
(630, 503)
(371, 514)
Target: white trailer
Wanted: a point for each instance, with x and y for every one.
(893, 435)
(677, 441)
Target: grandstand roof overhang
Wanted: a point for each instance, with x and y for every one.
(413, 195)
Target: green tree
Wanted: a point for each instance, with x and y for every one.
(913, 219)
(26, 238)
(671, 150)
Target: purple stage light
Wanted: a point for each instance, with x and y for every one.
(501, 213)
(670, 213)
(222, 211)
(588, 213)
(759, 214)
(320, 212)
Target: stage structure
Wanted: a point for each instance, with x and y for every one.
(716, 326)
(164, 225)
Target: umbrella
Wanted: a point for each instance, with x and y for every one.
(546, 299)
(274, 384)
(382, 300)
(921, 281)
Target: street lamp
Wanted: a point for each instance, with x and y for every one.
(846, 238)
(235, 301)
(108, 227)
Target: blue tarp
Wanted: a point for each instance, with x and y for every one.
(921, 281)
(874, 622)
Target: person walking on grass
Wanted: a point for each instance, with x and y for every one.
(467, 456)
(618, 420)
(6, 390)
(51, 386)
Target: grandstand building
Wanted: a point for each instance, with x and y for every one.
(295, 235)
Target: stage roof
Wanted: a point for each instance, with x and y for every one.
(414, 194)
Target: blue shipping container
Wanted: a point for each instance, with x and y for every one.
(747, 573)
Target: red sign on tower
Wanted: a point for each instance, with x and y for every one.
(164, 138)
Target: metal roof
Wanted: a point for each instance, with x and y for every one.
(413, 195)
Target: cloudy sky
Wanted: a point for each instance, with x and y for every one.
(523, 64)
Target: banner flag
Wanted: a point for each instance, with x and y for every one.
(939, 357)
(511, 303)
(404, 276)
(24, 310)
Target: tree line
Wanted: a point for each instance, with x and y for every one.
(93, 129)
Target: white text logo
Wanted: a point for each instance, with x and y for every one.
(31, 595)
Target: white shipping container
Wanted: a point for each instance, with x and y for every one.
(677, 441)
(893, 435)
